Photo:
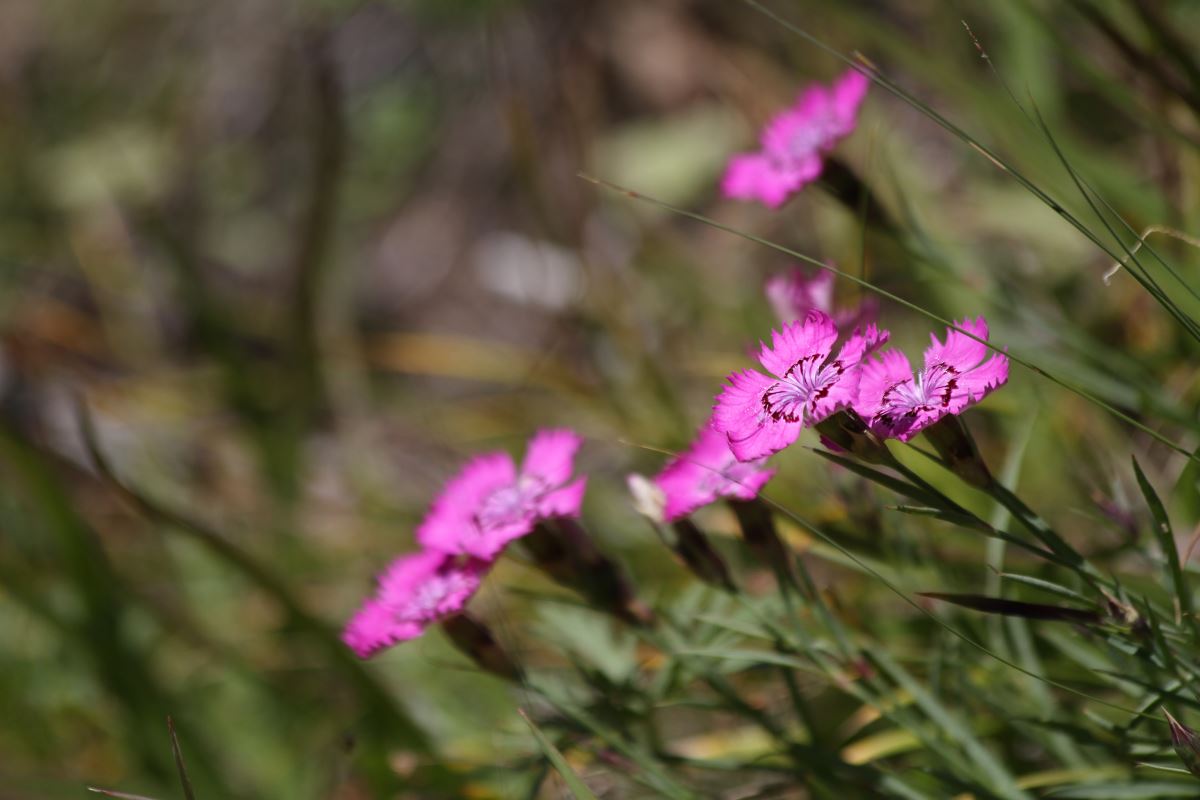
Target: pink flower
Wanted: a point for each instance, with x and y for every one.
(706, 472)
(414, 592)
(895, 403)
(794, 142)
(762, 414)
(488, 504)
(793, 294)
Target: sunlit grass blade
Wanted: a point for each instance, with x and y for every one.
(1001, 781)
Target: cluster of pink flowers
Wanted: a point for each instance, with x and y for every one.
(820, 362)
(808, 377)
(480, 511)
(761, 414)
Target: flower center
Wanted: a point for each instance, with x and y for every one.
(511, 504)
(930, 391)
(424, 603)
(794, 397)
(808, 140)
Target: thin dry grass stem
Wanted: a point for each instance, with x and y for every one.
(1187, 239)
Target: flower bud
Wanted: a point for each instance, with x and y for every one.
(474, 639)
(954, 444)
(565, 552)
(761, 536)
(698, 554)
(846, 432)
(1186, 744)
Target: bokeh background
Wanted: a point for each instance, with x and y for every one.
(294, 261)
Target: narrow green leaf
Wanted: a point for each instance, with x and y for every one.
(1127, 791)
(897, 485)
(1166, 541)
(1001, 781)
(1044, 585)
(577, 787)
(183, 776)
(1017, 608)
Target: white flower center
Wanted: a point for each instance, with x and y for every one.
(794, 397)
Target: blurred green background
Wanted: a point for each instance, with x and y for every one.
(296, 260)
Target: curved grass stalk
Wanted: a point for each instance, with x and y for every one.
(1141, 240)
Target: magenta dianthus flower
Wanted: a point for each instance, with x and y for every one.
(414, 592)
(794, 142)
(762, 414)
(897, 404)
(706, 472)
(793, 294)
(489, 503)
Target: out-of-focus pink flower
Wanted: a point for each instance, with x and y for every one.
(489, 503)
(762, 414)
(794, 141)
(897, 404)
(413, 593)
(706, 472)
(794, 293)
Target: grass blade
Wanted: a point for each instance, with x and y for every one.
(184, 781)
(575, 784)
(1166, 541)
(1016, 608)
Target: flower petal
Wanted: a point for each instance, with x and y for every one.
(841, 394)
(960, 351)
(564, 502)
(740, 415)
(862, 343)
(876, 377)
(755, 176)
(748, 486)
(768, 438)
(847, 95)
(704, 473)
(682, 480)
(551, 456)
(815, 335)
(458, 579)
(739, 406)
(451, 526)
(415, 591)
(984, 379)
(793, 294)
(373, 628)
